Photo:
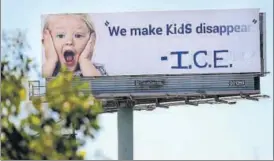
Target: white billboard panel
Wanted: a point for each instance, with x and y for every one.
(148, 43)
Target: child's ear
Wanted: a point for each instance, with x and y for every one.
(45, 33)
(92, 34)
(43, 37)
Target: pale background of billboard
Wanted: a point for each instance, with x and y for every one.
(243, 131)
(141, 54)
(137, 55)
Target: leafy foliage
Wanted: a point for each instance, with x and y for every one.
(39, 135)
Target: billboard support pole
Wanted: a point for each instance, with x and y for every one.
(125, 131)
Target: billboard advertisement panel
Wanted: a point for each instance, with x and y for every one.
(151, 43)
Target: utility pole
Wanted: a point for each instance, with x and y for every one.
(125, 131)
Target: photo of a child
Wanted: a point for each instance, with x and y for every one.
(68, 40)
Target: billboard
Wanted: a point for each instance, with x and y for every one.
(152, 43)
(164, 86)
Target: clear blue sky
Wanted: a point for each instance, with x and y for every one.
(242, 131)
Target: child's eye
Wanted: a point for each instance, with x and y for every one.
(78, 35)
(60, 36)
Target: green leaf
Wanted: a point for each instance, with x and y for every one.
(39, 131)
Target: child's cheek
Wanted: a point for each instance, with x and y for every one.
(82, 49)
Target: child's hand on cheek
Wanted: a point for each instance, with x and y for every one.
(51, 55)
(86, 55)
(50, 52)
(86, 66)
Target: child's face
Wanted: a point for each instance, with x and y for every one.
(70, 35)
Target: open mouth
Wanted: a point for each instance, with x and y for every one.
(69, 56)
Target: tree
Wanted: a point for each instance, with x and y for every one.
(39, 136)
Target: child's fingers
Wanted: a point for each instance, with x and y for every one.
(45, 40)
(47, 37)
(90, 42)
(92, 38)
(50, 40)
(44, 35)
(50, 49)
(87, 53)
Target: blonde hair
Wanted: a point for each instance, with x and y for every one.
(84, 16)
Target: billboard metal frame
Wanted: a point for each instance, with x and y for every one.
(151, 86)
(125, 103)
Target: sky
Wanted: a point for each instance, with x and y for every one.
(242, 131)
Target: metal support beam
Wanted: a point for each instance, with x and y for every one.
(157, 104)
(125, 131)
(249, 97)
(217, 99)
(190, 103)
